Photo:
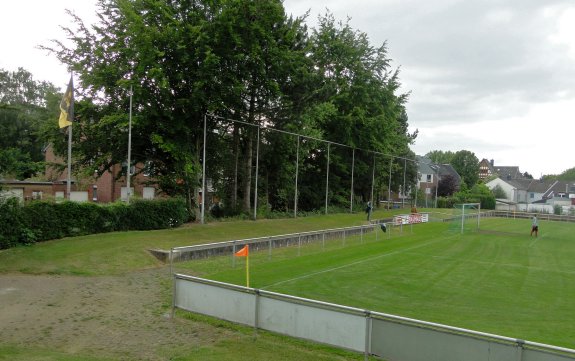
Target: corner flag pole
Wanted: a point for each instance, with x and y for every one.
(248, 270)
(245, 252)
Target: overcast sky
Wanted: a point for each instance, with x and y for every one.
(495, 77)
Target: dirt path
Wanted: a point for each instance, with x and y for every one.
(124, 316)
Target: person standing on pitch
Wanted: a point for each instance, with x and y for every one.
(368, 210)
(534, 226)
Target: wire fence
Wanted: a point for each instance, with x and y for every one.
(283, 161)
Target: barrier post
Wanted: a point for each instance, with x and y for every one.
(368, 327)
(173, 298)
(256, 311)
(270, 248)
(233, 253)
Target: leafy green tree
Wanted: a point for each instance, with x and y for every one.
(243, 60)
(467, 165)
(527, 175)
(356, 79)
(26, 106)
(440, 157)
(484, 195)
(259, 52)
(567, 175)
(499, 192)
(183, 59)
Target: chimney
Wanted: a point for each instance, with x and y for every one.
(492, 162)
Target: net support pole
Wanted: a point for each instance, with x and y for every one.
(372, 181)
(257, 171)
(203, 210)
(462, 217)
(436, 185)
(296, 178)
(389, 184)
(403, 189)
(478, 215)
(327, 178)
(352, 170)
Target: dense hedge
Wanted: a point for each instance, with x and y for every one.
(41, 221)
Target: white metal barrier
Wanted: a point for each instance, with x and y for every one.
(388, 336)
(269, 243)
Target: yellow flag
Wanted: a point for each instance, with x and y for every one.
(67, 106)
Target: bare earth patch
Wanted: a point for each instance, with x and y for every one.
(121, 317)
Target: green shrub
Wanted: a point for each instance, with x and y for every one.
(41, 220)
(557, 209)
(10, 222)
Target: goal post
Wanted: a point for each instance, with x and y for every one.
(466, 217)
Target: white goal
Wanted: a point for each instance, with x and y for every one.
(466, 217)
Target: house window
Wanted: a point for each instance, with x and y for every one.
(59, 195)
(124, 193)
(37, 195)
(148, 192)
(531, 195)
(428, 178)
(148, 169)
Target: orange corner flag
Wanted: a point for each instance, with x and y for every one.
(244, 252)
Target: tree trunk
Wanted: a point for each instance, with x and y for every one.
(249, 155)
(234, 196)
(195, 192)
(248, 173)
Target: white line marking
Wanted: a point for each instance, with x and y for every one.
(356, 262)
(513, 265)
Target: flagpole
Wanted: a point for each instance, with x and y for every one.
(129, 167)
(70, 118)
(68, 180)
(65, 121)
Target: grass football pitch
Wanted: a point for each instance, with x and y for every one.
(497, 280)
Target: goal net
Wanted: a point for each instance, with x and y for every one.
(466, 217)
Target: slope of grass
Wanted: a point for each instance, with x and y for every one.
(119, 252)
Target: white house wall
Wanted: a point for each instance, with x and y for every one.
(509, 190)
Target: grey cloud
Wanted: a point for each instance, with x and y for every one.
(474, 51)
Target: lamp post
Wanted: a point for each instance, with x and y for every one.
(417, 187)
(436, 169)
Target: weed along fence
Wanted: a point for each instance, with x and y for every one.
(269, 243)
(372, 333)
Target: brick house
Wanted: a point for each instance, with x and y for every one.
(107, 187)
(103, 189)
